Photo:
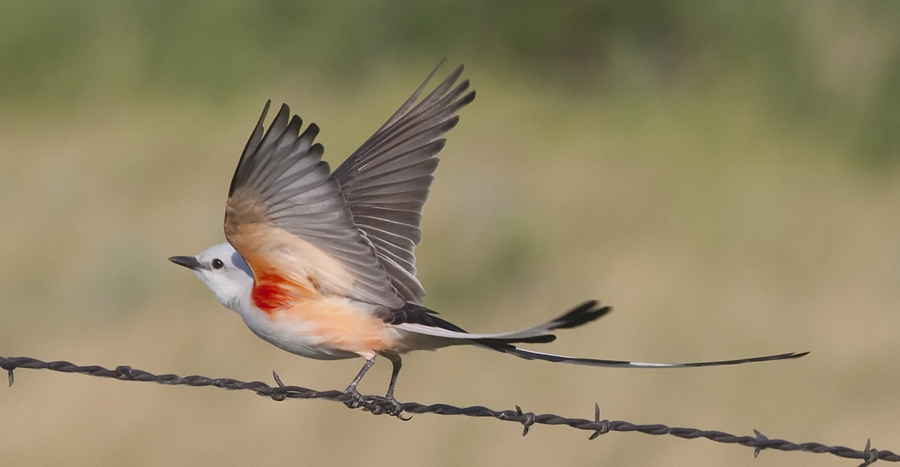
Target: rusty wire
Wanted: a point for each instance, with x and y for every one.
(379, 406)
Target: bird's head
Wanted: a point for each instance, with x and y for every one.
(223, 270)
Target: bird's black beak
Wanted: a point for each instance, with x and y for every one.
(189, 262)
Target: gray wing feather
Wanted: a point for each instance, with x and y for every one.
(386, 181)
(283, 170)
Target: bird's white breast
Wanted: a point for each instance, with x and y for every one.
(294, 336)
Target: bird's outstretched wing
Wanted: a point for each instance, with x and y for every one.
(386, 180)
(287, 217)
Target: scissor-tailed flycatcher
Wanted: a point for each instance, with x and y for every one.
(321, 264)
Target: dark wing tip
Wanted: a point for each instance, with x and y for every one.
(252, 143)
(434, 71)
(416, 314)
(467, 99)
(312, 130)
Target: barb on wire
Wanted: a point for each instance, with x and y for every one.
(379, 406)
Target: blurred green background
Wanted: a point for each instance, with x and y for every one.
(725, 174)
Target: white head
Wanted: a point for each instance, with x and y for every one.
(223, 270)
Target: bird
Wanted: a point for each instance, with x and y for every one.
(321, 264)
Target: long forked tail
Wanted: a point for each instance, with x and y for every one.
(531, 355)
(583, 314)
(423, 321)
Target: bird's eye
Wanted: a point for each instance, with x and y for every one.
(217, 264)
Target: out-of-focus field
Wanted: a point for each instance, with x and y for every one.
(731, 188)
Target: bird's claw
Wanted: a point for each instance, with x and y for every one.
(355, 400)
(378, 405)
(387, 405)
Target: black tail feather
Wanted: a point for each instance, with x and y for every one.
(498, 344)
(582, 314)
(530, 355)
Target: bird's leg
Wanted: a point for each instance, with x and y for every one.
(397, 363)
(357, 398)
(388, 403)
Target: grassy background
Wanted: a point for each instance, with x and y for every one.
(727, 176)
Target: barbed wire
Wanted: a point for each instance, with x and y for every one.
(380, 406)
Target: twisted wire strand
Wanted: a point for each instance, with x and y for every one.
(379, 406)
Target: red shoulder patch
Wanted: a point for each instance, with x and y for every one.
(270, 297)
(272, 291)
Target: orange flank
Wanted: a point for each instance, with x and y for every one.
(340, 325)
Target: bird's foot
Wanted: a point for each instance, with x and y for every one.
(387, 405)
(355, 400)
